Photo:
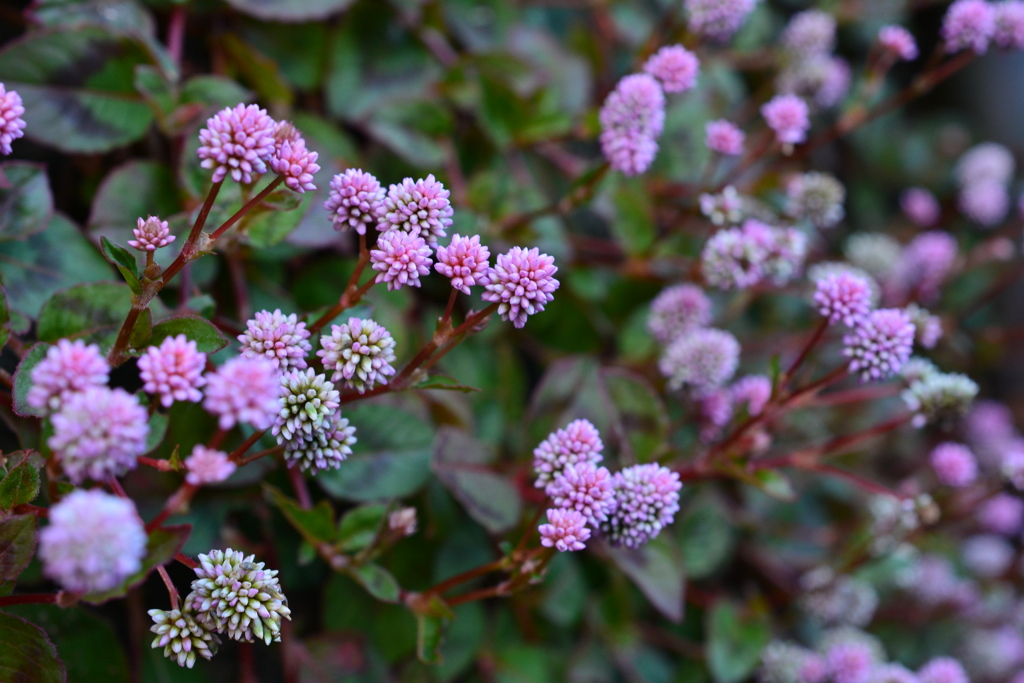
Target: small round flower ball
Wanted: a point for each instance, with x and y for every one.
(585, 488)
(969, 25)
(675, 66)
(400, 258)
(940, 397)
(753, 391)
(360, 352)
(843, 297)
(787, 115)
(985, 162)
(717, 19)
(646, 501)
(238, 141)
(893, 673)
(714, 410)
(296, 164)
(880, 344)
(279, 338)
(816, 197)
(327, 447)
(810, 33)
(1009, 33)
(850, 662)
(12, 126)
(207, 466)
(677, 310)
(632, 117)
(984, 202)
(702, 359)
(68, 367)
(464, 261)
(942, 670)
(307, 400)
(521, 282)
(954, 464)
(93, 541)
(898, 42)
(173, 371)
(243, 391)
(420, 208)
(987, 556)
(182, 637)
(566, 531)
(724, 137)
(814, 669)
(1003, 513)
(98, 433)
(356, 200)
(150, 234)
(920, 206)
(577, 444)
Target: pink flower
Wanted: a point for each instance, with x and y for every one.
(717, 19)
(646, 501)
(920, 206)
(898, 42)
(243, 391)
(714, 411)
(754, 391)
(1009, 33)
(150, 234)
(675, 66)
(67, 368)
(281, 339)
(723, 137)
(296, 164)
(420, 208)
(814, 669)
(985, 162)
(360, 352)
(586, 489)
(11, 124)
(984, 202)
(850, 662)
(954, 464)
(521, 283)
(787, 115)
(566, 531)
(677, 310)
(810, 33)
(238, 141)
(843, 297)
(942, 670)
(702, 359)
(968, 24)
(578, 444)
(464, 261)
(632, 118)
(987, 556)
(356, 200)
(173, 371)
(880, 344)
(923, 266)
(400, 258)
(207, 466)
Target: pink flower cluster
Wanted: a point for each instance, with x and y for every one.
(68, 367)
(880, 344)
(677, 310)
(579, 443)
(702, 359)
(646, 501)
(173, 371)
(969, 25)
(150, 234)
(400, 258)
(843, 297)
(207, 466)
(521, 282)
(356, 200)
(954, 464)
(717, 19)
(724, 137)
(737, 258)
(787, 116)
(12, 126)
(280, 338)
(898, 42)
(243, 391)
(464, 261)
(632, 119)
(675, 66)
(419, 208)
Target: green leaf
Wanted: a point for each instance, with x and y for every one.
(17, 545)
(657, 570)
(207, 337)
(162, 545)
(28, 652)
(377, 581)
(705, 535)
(316, 525)
(638, 416)
(633, 224)
(289, 10)
(23, 380)
(260, 72)
(735, 640)
(21, 483)
(459, 462)
(5, 319)
(154, 86)
(124, 261)
(158, 423)
(122, 15)
(26, 202)
(213, 91)
(90, 310)
(431, 623)
(359, 526)
(78, 86)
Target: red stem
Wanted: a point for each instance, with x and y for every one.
(247, 207)
(29, 599)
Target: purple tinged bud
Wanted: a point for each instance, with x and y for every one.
(676, 68)
(632, 118)
(566, 531)
(173, 371)
(296, 164)
(464, 261)
(724, 137)
(898, 42)
(356, 200)
(400, 259)
(880, 344)
(150, 234)
(238, 141)
(207, 466)
(521, 282)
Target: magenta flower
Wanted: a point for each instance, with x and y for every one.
(880, 344)
(702, 359)
(675, 66)
(11, 124)
(843, 297)
(98, 433)
(920, 206)
(356, 200)
(1003, 513)
(984, 202)
(942, 670)
(360, 352)
(717, 19)
(898, 42)
(296, 164)
(723, 137)
(566, 531)
(150, 234)
(400, 258)
(67, 368)
(93, 542)
(281, 339)
(923, 266)
(810, 33)
(578, 444)
(586, 489)
(243, 391)
(521, 283)
(646, 501)
(1009, 33)
(632, 118)
(787, 115)
(754, 391)
(954, 464)
(678, 309)
(207, 466)
(850, 662)
(968, 25)
(420, 208)
(173, 371)
(464, 261)
(238, 142)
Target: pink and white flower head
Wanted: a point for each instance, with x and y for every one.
(173, 371)
(646, 501)
(93, 541)
(954, 464)
(360, 352)
(702, 359)
(677, 310)
(67, 368)
(880, 344)
(244, 391)
(464, 261)
(969, 25)
(810, 33)
(585, 488)
(987, 556)
(356, 200)
(985, 203)
(12, 126)
(579, 443)
(942, 670)
(279, 338)
(420, 208)
(632, 118)
(753, 391)
(724, 208)
(784, 250)
(814, 669)
(329, 446)
(843, 298)
(717, 19)
(920, 206)
(1009, 33)
(733, 259)
(207, 466)
(150, 234)
(714, 411)
(923, 265)
(400, 258)
(850, 662)
(521, 282)
(985, 162)
(724, 137)
(787, 115)
(898, 42)
(675, 66)
(928, 327)
(98, 433)
(296, 164)
(238, 141)
(565, 531)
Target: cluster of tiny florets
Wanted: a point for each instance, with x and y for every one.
(238, 141)
(173, 371)
(243, 391)
(420, 208)
(577, 444)
(843, 298)
(400, 259)
(809, 33)
(296, 164)
(816, 197)
(356, 201)
(307, 399)
(12, 126)
(898, 42)
(702, 359)
(940, 397)
(675, 66)
(207, 466)
(880, 344)
(181, 636)
(585, 488)
(787, 116)
(280, 338)
(464, 261)
(753, 392)
(717, 19)
(566, 530)
(67, 368)
(724, 208)
(737, 258)
(326, 448)
(920, 206)
(724, 137)
(632, 118)
(150, 234)
(360, 352)
(521, 282)
(954, 464)
(968, 25)
(646, 501)
(677, 310)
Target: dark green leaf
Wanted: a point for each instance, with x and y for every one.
(259, 72)
(213, 91)
(23, 380)
(429, 637)
(488, 498)
(208, 338)
(316, 525)
(359, 526)
(163, 544)
(21, 483)
(157, 430)
(26, 202)
(289, 10)
(5, 319)
(639, 419)
(657, 570)
(158, 91)
(122, 15)
(17, 545)
(705, 535)
(28, 653)
(124, 261)
(377, 581)
(735, 640)
(90, 310)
